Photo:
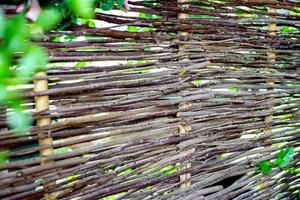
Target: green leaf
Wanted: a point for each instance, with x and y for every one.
(56, 39)
(82, 8)
(17, 41)
(120, 3)
(292, 170)
(48, 19)
(167, 170)
(2, 24)
(145, 15)
(62, 150)
(8, 97)
(69, 38)
(289, 29)
(19, 121)
(197, 82)
(284, 157)
(127, 171)
(264, 167)
(3, 94)
(107, 4)
(235, 89)
(146, 29)
(3, 156)
(91, 24)
(5, 62)
(80, 64)
(288, 157)
(34, 59)
(132, 29)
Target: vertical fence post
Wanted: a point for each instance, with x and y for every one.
(42, 104)
(271, 56)
(183, 128)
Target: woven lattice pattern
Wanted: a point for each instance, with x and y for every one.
(163, 97)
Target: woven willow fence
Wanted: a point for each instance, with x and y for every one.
(180, 102)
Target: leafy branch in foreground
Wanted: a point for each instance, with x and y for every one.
(20, 59)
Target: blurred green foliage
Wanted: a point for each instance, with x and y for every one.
(20, 59)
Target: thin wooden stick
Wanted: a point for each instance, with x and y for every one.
(183, 128)
(271, 55)
(42, 104)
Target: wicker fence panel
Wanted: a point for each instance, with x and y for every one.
(143, 111)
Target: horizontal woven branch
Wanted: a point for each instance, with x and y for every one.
(116, 121)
